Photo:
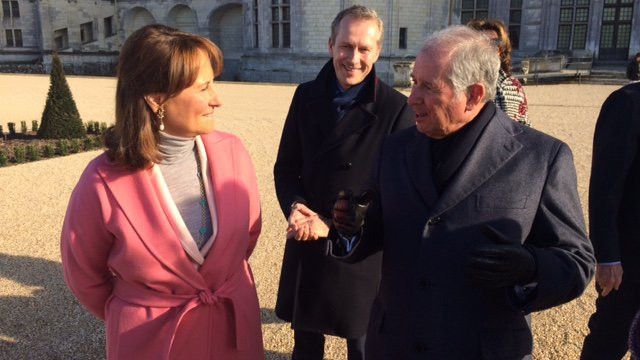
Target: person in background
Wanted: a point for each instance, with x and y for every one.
(159, 228)
(614, 215)
(510, 96)
(330, 141)
(633, 68)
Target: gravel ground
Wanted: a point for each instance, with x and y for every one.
(40, 319)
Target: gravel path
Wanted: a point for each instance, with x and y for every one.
(40, 319)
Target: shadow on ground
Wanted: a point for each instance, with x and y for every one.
(49, 323)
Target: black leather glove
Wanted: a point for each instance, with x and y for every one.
(501, 263)
(349, 212)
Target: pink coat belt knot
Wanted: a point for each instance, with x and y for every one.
(143, 296)
(208, 298)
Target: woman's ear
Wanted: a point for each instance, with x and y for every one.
(154, 101)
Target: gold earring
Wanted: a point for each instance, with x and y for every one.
(160, 117)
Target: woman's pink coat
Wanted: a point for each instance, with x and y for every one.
(126, 265)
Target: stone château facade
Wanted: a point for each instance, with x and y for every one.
(286, 40)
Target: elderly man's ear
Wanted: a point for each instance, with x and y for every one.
(476, 97)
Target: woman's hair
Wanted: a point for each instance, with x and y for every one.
(504, 47)
(155, 59)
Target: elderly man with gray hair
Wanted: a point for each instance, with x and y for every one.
(481, 220)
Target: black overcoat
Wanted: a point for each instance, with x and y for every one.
(316, 159)
(614, 190)
(516, 179)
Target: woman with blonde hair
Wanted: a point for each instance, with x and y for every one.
(160, 227)
(510, 96)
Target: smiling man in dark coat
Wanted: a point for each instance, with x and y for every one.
(481, 219)
(331, 138)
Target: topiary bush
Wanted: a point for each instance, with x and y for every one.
(4, 158)
(75, 146)
(1, 131)
(19, 154)
(60, 118)
(34, 125)
(103, 127)
(23, 127)
(62, 147)
(12, 128)
(87, 144)
(32, 153)
(48, 151)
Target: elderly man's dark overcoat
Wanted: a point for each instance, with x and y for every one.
(515, 179)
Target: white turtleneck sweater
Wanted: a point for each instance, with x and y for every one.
(179, 169)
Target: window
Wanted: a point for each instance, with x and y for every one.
(10, 9)
(515, 20)
(402, 41)
(574, 18)
(108, 27)
(280, 24)
(61, 39)
(14, 37)
(474, 9)
(86, 32)
(256, 38)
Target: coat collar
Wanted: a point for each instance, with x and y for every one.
(135, 194)
(322, 117)
(495, 146)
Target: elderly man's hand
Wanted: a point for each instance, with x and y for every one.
(608, 277)
(501, 263)
(305, 224)
(349, 212)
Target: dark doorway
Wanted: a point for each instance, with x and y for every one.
(615, 33)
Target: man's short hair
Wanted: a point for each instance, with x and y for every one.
(471, 58)
(356, 12)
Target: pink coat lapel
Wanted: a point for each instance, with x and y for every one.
(137, 199)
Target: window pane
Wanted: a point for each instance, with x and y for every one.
(516, 3)
(624, 34)
(625, 13)
(515, 16)
(606, 36)
(566, 3)
(514, 36)
(285, 13)
(402, 43)
(564, 36)
(285, 1)
(6, 9)
(468, 4)
(9, 35)
(626, 1)
(482, 4)
(274, 2)
(286, 35)
(18, 37)
(582, 2)
(566, 15)
(275, 35)
(275, 13)
(609, 14)
(610, 1)
(466, 17)
(579, 36)
(582, 14)
(482, 14)
(15, 9)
